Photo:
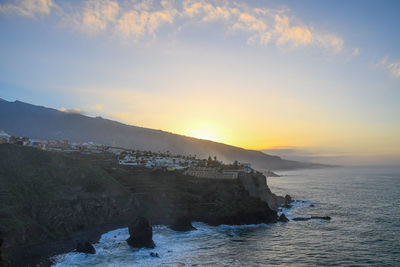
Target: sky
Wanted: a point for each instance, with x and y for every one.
(319, 78)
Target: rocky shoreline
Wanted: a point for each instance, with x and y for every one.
(75, 198)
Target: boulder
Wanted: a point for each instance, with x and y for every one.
(85, 247)
(287, 206)
(312, 205)
(141, 234)
(301, 219)
(321, 217)
(283, 218)
(311, 218)
(182, 224)
(154, 255)
(288, 199)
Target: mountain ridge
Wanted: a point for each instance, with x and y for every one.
(39, 122)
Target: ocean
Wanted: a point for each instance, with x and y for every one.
(364, 204)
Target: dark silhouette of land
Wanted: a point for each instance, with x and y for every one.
(22, 119)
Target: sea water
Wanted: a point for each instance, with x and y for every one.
(364, 204)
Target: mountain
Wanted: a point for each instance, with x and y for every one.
(23, 119)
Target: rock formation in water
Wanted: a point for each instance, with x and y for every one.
(311, 218)
(182, 224)
(141, 234)
(283, 218)
(85, 247)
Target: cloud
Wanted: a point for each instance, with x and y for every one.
(137, 20)
(262, 25)
(141, 21)
(97, 14)
(356, 52)
(206, 10)
(297, 35)
(392, 66)
(28, 8)
(71, 110)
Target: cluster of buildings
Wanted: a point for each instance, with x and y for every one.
(156, 160)
(58, 145)
(202, 168)
(219, 173)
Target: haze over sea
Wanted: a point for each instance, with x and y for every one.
(364, 231)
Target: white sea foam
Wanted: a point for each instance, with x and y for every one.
(343, 241)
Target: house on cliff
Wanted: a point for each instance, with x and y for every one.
(214, 173)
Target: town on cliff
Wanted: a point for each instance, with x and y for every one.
(189, 164)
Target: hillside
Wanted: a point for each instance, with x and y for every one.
(22, 119)
(49, 196)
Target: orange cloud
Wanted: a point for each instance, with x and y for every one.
(29, 8)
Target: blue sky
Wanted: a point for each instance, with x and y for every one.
(316, 75)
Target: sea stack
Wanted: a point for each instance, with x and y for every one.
(182, 224)
(141, 234)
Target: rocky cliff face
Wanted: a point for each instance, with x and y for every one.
(164, 196)
(256, 185)
(49, 196)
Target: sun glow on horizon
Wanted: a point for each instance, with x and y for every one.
(205, 133)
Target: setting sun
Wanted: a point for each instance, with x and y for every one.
(206, 132)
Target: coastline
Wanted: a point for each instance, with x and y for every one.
(91, 195)
(41, 255)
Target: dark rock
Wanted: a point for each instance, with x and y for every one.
(2, 261)
(301, 219)
(182, 224)
(283, 218)
(312, 217)
(85, 247)
(270, 174)
(287, 206)
(288, 199)
(312, 205)
(141, 234)
(321, 217)
(154, 255)
(1, 243)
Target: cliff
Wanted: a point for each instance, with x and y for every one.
(49, 196)
(256, 185)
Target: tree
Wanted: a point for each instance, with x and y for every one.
(235, 164)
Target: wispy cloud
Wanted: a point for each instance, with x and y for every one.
(391, 65)
(138, 20)
(71, 110)
(28, 8)
(143, 19)
(262, 25)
